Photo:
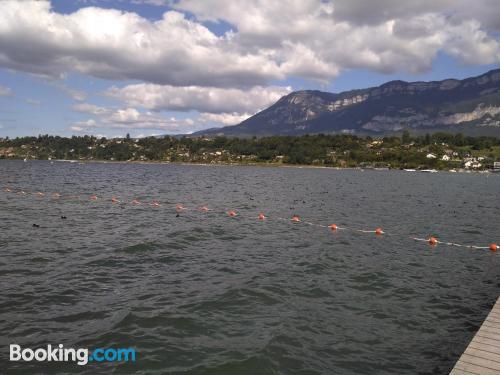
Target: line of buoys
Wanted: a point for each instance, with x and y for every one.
(431, 240)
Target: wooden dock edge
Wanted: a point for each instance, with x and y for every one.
(482, 356)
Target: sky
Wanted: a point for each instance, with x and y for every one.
(152, 67)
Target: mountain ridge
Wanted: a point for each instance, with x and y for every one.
(470, 105)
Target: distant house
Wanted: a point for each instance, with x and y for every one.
(496, 166)
(431, 156)
(472, 164)
(445, 158)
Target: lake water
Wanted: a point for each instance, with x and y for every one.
(204, 293)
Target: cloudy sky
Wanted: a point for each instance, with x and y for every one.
(144, 67)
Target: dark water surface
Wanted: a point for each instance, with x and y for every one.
(207, 294)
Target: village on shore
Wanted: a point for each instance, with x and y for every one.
(438, 151)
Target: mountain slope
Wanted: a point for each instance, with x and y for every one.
(471, 105)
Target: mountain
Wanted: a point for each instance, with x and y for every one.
(471, 106)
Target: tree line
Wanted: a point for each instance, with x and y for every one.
(320, 149)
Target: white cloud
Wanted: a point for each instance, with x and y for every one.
(223, 119)
(82, 126)
(112, 44)
(317, 39)
(127, 118)
(77, 95)
(202, 99)
(217, 106)
(5, 91)
(271, 40)
(33, 102)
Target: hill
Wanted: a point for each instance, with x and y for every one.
(470, 106)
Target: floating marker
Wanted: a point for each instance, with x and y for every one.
(295, 218)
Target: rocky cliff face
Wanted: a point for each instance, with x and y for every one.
(471, 105)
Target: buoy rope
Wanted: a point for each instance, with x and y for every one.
(157, 204)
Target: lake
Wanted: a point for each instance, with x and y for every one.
(205, 293)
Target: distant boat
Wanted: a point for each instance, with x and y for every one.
(410, 170)
(452, 171)
(428, 170)
(25, 160)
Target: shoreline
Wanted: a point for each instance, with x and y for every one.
(263, 165)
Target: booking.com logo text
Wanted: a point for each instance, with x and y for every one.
(80, 356)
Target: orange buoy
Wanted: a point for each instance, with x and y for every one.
(433, 241)
(22, 192)
(379, 231)
(114, 200)
(56, 195)
(179, 207)
(155, 204)
(204, 209)
(7, 190)
(333, 227)
(295, 218)
(262, 216)
(135, 201)
(232, 213)
(493, 247)
(40, 194)
(93, 197)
